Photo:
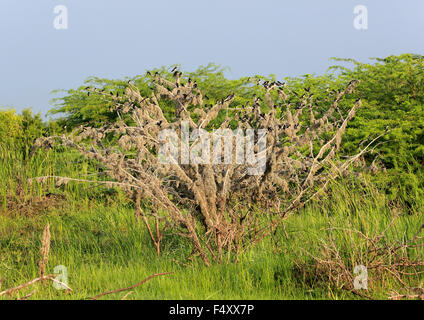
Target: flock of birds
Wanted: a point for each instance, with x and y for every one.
(268, 85)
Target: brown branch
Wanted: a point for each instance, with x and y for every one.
(131, 287)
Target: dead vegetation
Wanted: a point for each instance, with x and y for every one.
(221, 207)
(384, 259)
(18, 202)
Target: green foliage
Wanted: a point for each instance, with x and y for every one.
(392, 94)
(392, 91)
(10, 127)
(18, 131)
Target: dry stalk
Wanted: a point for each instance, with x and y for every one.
(45, 249)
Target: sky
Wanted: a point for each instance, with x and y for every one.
(115, 39)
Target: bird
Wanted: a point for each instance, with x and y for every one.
(173, 69)
(352, 82)
(229, 97)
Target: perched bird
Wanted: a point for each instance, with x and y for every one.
(352, 83)
(173, 69)
(229, 97)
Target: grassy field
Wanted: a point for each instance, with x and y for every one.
(95, 236)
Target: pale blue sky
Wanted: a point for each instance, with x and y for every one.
(125, 38)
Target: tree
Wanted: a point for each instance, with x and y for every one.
(222, 205)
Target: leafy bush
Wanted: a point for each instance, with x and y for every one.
(10, 127)
(19, 131)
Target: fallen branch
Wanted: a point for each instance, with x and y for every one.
(24, 285)
(132, 287)
(27, 296)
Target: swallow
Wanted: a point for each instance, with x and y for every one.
(229, 97)
(173, 69)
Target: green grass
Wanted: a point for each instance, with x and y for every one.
(95, 236)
